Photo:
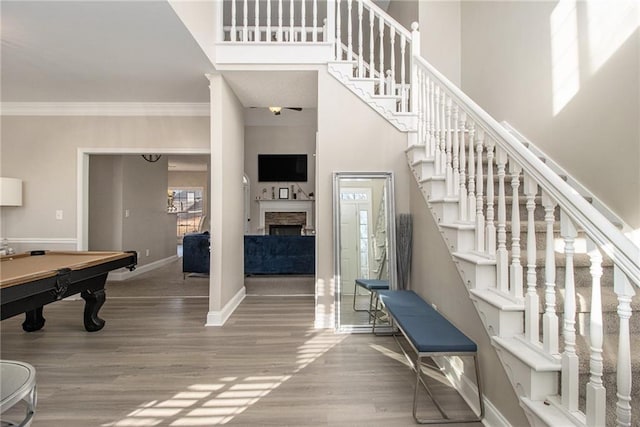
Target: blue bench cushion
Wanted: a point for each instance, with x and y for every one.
(434, 334)
(373, 284)
(407, 302)
(428, 330)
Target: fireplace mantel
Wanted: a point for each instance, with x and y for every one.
(305, 206)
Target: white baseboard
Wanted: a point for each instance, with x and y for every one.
(469, 392)
(218, 318)
(124, 274)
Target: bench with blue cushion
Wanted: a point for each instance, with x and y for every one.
(428, 333)
(373, 286)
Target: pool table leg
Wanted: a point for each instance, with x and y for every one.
(34, 320)
(93, 302)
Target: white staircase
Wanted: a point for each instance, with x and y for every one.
(552, 278)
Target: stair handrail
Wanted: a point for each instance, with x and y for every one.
(624, 253)
(387, 18)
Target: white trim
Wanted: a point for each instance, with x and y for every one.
(469, 392)
(43, 240)
(218, 318)
(124, 274)
(104, 109)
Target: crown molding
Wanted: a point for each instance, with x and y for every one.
(105, 109)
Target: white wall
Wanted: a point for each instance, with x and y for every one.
(440, 37)
(293, 132)
(227, 196)
(582, 106)
(42, 151)
(352, 137)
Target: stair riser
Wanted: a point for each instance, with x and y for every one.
(476, 276)
(445, 211)
(459, 240)
(434, 189)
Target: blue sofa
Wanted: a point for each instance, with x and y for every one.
(279, 255)
(196, 253)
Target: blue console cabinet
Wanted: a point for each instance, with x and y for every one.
(279, 255)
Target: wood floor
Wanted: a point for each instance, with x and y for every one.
(155, 364)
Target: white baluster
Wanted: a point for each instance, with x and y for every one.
(422, 94)
(438, 154)
(455, 117)
(427, 118)
(462, 193)
(392, 59)
(502, 258)
(550, 318)
(338, 32)
(531, 300)
(372, 18)
(515, 271)
(349, 31)
(314, 36)
(434, 128)
(596, 393)
(245, 25)
(448, 146)
(569, 357)
(491, 227)
(625, 292)
(233, 34)
(403, 87)
(381, 89)
(268, 34)
(303, 21)
(360, 59)
(479, 192)
(443, 132)
(291, 22)
(281, 24)
(257, 36)
(471, 189)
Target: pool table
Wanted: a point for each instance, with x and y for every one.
(31, 280)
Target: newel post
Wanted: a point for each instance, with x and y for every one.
(415, 53)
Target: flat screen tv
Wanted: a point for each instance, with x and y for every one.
(282, 167)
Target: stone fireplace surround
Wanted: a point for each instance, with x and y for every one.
(286, 212)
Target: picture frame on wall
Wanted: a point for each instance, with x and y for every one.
(283, 193)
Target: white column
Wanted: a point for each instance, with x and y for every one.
(448, 146)
(349, 31)
(232, 35)
(491, 227)
(462, 192)
(360, 59)
(256, 36)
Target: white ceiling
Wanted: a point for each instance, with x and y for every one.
(122, 51)
(99, 51)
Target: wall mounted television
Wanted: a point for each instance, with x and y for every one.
(282, 167)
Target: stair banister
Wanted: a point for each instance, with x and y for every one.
(616, 245)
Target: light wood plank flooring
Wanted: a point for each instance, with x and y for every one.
(155, 364)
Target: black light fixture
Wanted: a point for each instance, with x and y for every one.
(151, 158)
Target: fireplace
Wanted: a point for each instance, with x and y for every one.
(295, 213)
(285, 230)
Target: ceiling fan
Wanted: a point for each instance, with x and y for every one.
(278, 110)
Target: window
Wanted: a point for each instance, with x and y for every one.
(187, 203)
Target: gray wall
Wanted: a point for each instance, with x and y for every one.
(42, 151)
(352, 137)
(105, 203)
(508, 68)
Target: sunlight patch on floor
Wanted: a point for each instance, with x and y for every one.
(219, 402)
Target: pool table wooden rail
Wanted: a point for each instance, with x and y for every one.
(30, 281)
